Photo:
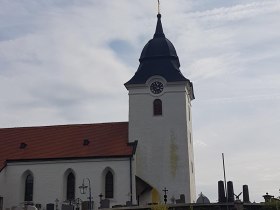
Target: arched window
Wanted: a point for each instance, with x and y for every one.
(28, 194)
(70, 194)
(109, 185)
(157, 107)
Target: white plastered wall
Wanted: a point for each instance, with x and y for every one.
(164, 152)
(49, 183)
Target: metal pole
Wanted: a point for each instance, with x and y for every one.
(90, 206)
(224, 168)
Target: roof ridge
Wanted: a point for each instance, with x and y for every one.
(65, 125)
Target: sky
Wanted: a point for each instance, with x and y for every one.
(65, 62)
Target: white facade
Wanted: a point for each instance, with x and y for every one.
(164, 155)
(50, 180)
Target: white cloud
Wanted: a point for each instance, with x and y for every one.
(240, 11)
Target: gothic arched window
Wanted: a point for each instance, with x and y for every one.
(109, 185)
(28, 194)
(70, 195)
(157, 107)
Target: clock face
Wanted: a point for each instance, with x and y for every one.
(156, 87)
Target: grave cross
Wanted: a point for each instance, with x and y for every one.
(165, 196)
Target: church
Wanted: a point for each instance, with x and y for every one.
(121, 162)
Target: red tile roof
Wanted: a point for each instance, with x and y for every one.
(64, 141)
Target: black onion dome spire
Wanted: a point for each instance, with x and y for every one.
(158, 57)
(159, 30)
(159, 46)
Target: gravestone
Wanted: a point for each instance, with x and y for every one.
(67, 207)
(230, 191)
(50, 206)
(38, 206)
(86, 206)
(181, 199)
(105, 203)
(31, 208)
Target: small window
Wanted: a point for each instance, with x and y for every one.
(192, 166)
(28, 195)
(70, 187)
(86, 142)
(157, 107)
(22, 145)
(109, 185)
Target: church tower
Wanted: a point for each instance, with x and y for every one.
(160, 119)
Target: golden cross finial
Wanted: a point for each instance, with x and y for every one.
(158, 7)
